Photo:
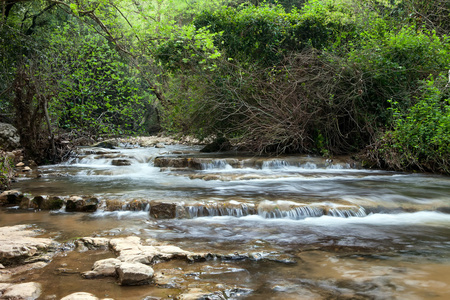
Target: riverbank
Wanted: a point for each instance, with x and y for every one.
(228, 225)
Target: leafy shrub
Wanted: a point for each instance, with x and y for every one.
(264, 34)
(395, 61)
(6, 171)
(420, 137)
(98, 92)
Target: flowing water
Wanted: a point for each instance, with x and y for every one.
(318, 229)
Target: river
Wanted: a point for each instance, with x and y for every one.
(316, 228)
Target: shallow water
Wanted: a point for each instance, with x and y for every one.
(322, 230)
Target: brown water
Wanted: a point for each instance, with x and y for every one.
(322, 230)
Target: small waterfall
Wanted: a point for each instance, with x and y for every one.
(346, 213)
(309, 166)
(287, 210)
(275, 164)
(270, 210)
(233, 209)
(220, 164)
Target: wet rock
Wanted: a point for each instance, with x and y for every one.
(51, 203)
(219, 144)
(178, 162)
(103, 268)
(11, 197)
(92, 243)
(193, 294)
(25, 203)
(79, 204)
(160, 145)
(197, 294)
(160, 210)
(80, 296)
(134, 274)
(25, 291)
(131, 249)
(136, 205)
(167, 278)
(18, 243)
(6, 274)
(9, 137)
(108, 144)
(121, 162)
(113, 205)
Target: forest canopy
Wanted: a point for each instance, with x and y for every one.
(322, 77)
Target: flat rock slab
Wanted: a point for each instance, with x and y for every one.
(28, 291)
(82, 296)
(18, 243)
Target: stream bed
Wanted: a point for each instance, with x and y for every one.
(315, 228)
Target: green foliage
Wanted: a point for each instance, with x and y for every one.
(98, 92)
(6, 171)
(264, 34)
(421, 136)
(395, 61)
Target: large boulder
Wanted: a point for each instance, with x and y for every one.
(103, 268)
(28, 291)
(134, 273)
(9, 137)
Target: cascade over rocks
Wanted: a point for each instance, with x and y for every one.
(9, 137)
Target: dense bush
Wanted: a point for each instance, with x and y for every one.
(98, 92)
(6, 171)
(394, 62)
(420, 138)
(264, 34)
